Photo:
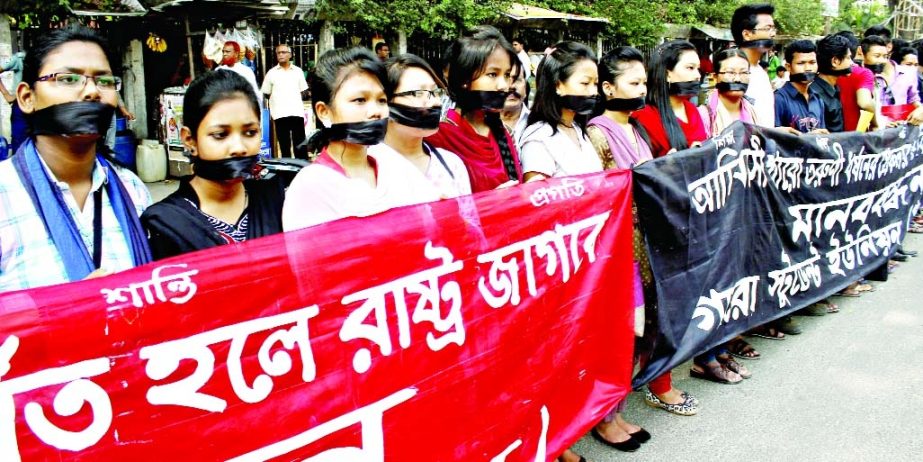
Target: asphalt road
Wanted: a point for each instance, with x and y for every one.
(850, 388)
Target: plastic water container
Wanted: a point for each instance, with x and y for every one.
(4, 149)
(124, 151)
(152, 161)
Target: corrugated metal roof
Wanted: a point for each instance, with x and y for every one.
(520, 12)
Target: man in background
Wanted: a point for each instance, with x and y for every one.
(230, 60)
(520, 48)
(383, 50)
(285, 87)
(754, 29)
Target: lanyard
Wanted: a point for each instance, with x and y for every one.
(435, 153)
(98, 228)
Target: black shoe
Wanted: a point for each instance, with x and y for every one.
(899, 257)
(907, 253)
(629, 445)
(641, 436)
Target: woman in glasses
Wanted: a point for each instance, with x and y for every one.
(222, 203)
(415, 95)
(480, 66)
(346, 180)
(727, 104)
(66, 212)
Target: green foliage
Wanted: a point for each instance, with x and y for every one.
(40, 13)
(859, 17)
(435, 17)
(799, 17)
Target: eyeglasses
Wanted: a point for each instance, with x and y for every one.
(283, 52)
(765, 29)
(741, 74)
(437, 94)
(78, 81)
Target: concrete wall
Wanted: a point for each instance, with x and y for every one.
(133, 92)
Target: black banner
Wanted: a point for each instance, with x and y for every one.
(757, 223)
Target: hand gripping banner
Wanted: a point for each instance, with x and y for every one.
(757, 223)
(492, 327)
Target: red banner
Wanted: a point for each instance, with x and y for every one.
(493, 327)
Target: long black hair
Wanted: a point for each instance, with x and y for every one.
(210, 88)
(556, 68)
(664, 58)
(466, 59)
(333, 68)
(611, 66)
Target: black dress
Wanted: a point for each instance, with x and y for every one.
(176, 226)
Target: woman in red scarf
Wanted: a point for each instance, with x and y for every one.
(671, 121)
(480, 66)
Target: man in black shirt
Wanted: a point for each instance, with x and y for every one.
(833, 60)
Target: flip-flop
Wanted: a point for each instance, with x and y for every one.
(738, 348)
(765, 334)
(865, 288)
(844, 293)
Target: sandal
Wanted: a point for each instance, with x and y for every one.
(739, 348)
(717, 373)
(734, 366)
(689, 406)
(849, 292)
(768, 332)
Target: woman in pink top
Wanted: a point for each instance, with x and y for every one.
(727, 104)
(345, 180)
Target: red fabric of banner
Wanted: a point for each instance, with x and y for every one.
(492, 327)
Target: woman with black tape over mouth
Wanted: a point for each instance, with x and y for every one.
(224, 202)
(480, 68)
(346, 180)
(68, 213)
(671, 120)
(415, 94)
(728, 103)
(555, 143)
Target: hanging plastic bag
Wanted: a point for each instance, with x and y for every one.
(212, 47)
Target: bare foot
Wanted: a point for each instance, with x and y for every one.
(612, 432)
(630, 428)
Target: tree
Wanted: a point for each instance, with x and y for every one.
(858, 17)
(799, 17)
(444, 18)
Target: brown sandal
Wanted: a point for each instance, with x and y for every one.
(716, 373)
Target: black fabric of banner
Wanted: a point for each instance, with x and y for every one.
(757, 223)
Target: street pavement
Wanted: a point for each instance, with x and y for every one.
(847, 389)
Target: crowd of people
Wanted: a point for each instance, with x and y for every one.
(399, 132)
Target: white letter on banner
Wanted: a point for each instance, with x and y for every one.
(426, 283)
(76, 392)
(164, 358)
(373, 441)
(179, 285)
(730, 304)
(501, 286)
